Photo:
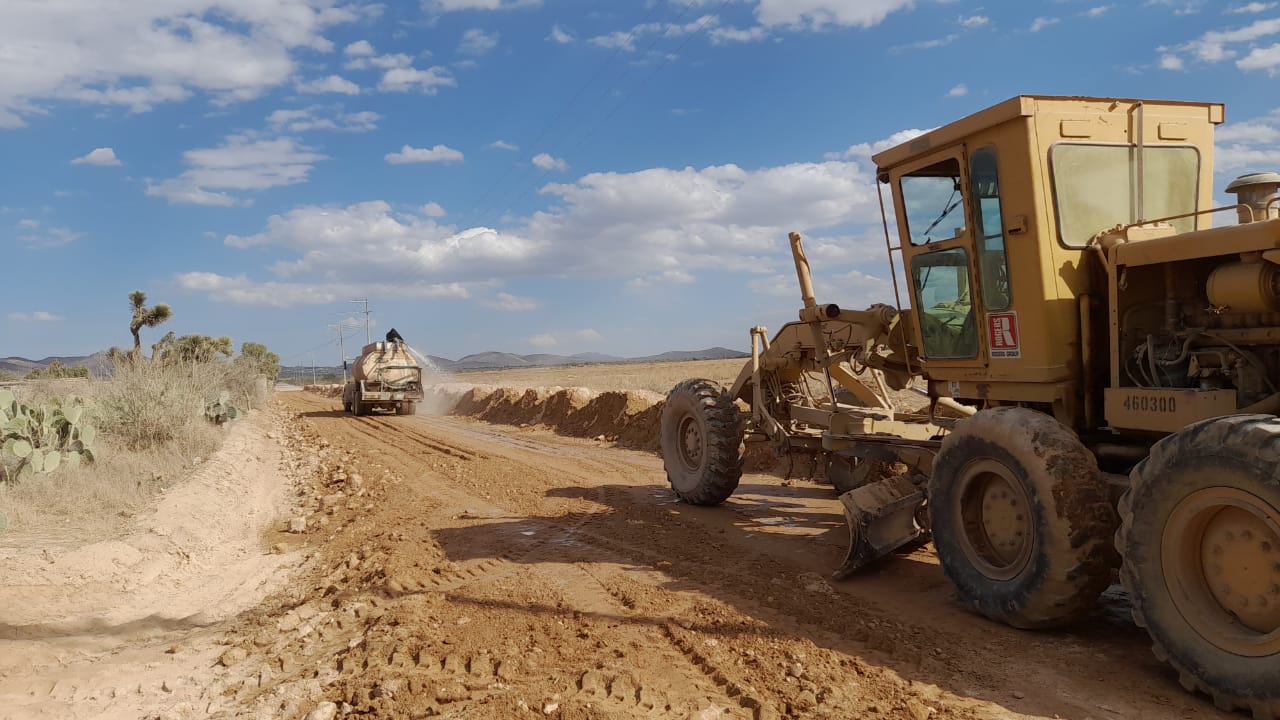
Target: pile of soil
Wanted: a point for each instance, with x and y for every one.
(629, 418)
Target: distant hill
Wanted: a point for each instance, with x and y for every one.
(715, 353)
(98, 364)
(500, 360)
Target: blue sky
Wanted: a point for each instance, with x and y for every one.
(521, 175)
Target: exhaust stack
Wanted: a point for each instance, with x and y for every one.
(1257, 190)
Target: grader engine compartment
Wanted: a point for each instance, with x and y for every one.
(1199, 335)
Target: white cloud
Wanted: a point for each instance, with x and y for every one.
(819, 13)
(444, 6)
(242, 162)
(406, 79)
(323, 117)
(144, 52)
(381, 62)
(371, 250)
(546, 162)
(864, 151)
(926, 44)
(1267, 58)
(1180, 7)
(1097, 12)
(560, 35)
(503, 145)
(974, 21)
(1253, 7)
(359, 48)
(666, 277)
(1251, 132)
(1247, 146)
(1219, 45)
(1170, 62)
(477, 42)
(98, 156)
(241, 290)
(1041, 23)
(36, 237)
(724, 35)
(399, 74)
(625, 40)
(329, 84)
(36, 316)
(437, 154)
(958, 91)
(543, 341)
(660, 226)
(506, 302)
(433, 210)
(588, 335)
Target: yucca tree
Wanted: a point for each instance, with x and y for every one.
(144, 316)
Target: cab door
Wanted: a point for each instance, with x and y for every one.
(933, 211)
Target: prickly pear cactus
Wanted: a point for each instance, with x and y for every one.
(43, 438)
(221, 410)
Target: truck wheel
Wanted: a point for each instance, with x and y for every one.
(358, 408)
(1021, 518)
(701, 435)
(407, 408)
(1200, 538)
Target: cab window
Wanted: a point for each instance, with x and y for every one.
(933, 202)
(944, 304)
(1095, 187)
(993, 265)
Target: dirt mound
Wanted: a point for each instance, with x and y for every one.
(630, 418)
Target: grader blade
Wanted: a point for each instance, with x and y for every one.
(882, 518)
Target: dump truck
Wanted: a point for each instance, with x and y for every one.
(384, 376)
(1101, 365)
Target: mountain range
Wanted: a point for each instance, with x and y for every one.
(479, 361)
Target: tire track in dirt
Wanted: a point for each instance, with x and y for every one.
(592, 508)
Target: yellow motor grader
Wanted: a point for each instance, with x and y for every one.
(1102, 371)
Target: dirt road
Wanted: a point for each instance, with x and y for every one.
(323, 565)
(489, 571)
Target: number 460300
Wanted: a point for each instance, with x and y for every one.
(1151, 403)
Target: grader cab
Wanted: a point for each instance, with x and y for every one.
(1102, 368)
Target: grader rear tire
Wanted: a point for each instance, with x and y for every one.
(701, 437)
(1021, 518)
(1200, 538)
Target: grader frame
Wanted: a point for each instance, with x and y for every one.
(1102, 370)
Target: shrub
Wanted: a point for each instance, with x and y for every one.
(150, 404)
(58, 371)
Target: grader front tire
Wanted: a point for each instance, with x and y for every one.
(701, 436)
(1200, 538)
(1021, 518)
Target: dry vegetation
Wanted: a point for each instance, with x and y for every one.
(151, 431)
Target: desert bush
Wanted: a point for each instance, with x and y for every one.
(150, 404)
(58, 371)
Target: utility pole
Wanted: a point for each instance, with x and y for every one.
(313, 368)
(341, 327)
(367, 338)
